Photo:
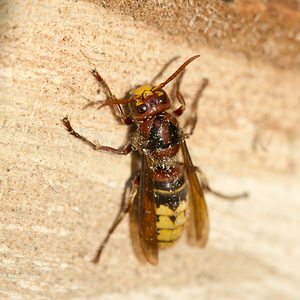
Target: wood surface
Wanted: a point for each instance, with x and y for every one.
(58, 197)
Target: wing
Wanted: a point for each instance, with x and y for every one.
(147, 215)
(134, 225)
(199, 226)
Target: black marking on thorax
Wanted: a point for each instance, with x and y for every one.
(163, 134)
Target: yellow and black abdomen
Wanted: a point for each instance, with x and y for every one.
(170, 200)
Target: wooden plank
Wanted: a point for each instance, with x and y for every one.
(58, 197)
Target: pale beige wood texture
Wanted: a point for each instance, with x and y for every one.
(58, 197)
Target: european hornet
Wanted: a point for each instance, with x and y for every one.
(166, 190)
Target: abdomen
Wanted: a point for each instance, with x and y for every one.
(170, 199)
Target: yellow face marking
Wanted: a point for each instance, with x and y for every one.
(158, 93)
(141, 89)
(139, 102)
(147, 93)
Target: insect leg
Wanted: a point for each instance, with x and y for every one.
(127, 149)
(207, 188)
(192, 120)
(125, 208)
(126, 119)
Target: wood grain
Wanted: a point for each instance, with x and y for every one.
(58, 197)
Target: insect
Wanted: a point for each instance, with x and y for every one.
(166, 190)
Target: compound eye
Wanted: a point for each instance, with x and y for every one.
(142, 108)
(162, 98)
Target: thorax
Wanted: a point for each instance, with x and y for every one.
(162, 135)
